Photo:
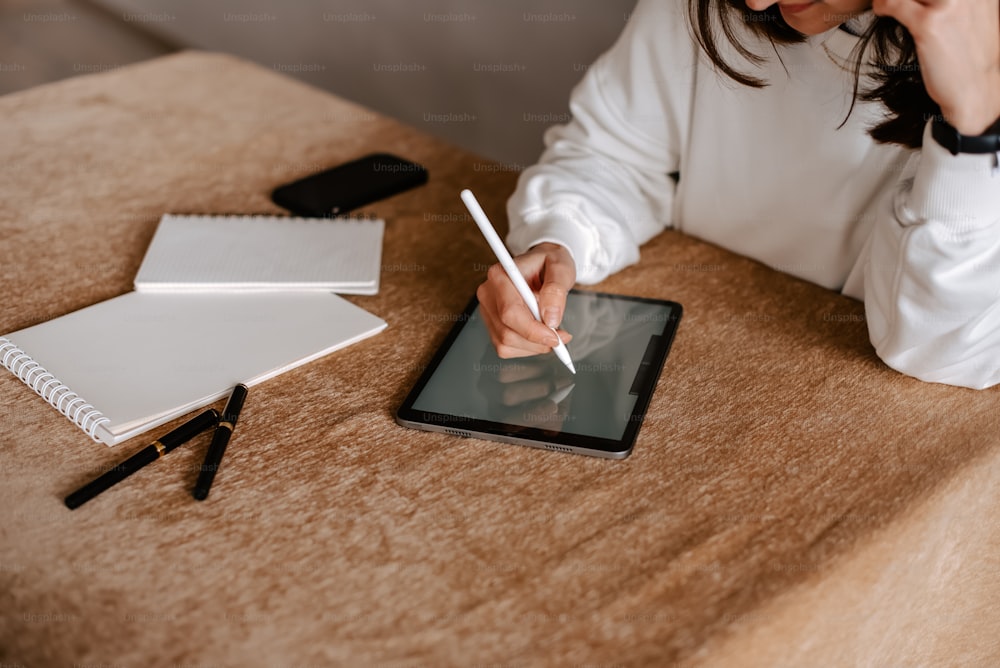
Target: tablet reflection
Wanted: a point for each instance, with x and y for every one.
(529, 391)
(611, 337)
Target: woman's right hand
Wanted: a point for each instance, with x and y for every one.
(551, 273)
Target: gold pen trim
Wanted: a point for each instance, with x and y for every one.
(227, 425)
(160, 448)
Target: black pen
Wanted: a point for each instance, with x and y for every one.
(150, 453)
(220, 439)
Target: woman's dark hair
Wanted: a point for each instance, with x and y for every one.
(897, 83)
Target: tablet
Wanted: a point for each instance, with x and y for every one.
(619, 346)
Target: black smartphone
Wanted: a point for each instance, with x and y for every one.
(340, 189)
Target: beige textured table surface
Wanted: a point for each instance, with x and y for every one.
(790, 500)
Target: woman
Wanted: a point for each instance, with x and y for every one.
(848, 142)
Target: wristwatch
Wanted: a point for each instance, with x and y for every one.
(951, 139)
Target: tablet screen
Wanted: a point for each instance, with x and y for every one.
(619, 345)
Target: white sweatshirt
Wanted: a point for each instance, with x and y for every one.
(768, 173)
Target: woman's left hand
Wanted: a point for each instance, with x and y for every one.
(958, 46)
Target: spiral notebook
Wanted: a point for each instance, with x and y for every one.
(123, 366)
(236, 253)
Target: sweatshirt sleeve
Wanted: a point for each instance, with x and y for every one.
(932, 286)
(603, 186)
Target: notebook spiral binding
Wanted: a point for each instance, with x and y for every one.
(47, 386)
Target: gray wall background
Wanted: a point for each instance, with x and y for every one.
(487, 75)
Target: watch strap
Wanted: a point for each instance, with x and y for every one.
(950, 138)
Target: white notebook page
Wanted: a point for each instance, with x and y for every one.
(143, 359)
(192, 253)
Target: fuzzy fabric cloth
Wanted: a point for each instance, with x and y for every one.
(790, 500)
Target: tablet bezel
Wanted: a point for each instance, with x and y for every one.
(594, 446)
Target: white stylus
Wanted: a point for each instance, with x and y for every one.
(507, 262)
